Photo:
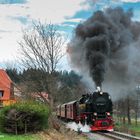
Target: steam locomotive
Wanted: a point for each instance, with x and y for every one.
(93, 109)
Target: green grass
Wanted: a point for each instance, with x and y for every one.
(132, 129)
(136, 128)
(4, 136)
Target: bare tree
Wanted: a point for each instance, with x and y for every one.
(136, 104)
(128, 103)
(41, 48)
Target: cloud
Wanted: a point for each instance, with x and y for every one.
(9, 45)
(4, 31)
(75, 20)
(44, 10)
(16, 15)
(55, 11)
(136, 16)
(8, 13)
(133, 1)
(13, 1)
(112, 1)
(103, 4)
(23, 20)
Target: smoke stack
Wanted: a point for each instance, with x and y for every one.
(98, 89)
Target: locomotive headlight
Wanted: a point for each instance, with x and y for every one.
(108, 113)
(95, 114)
(101, 93)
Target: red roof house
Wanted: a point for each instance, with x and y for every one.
(6, 86)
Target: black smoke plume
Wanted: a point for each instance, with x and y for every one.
(103, 46)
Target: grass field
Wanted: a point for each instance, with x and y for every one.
(131, 129)
(4, 136)
(51, 134)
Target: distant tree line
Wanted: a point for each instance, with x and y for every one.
(127, 108)
(67, 87)
(41, 49)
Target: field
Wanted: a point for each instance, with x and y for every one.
(130, 129)
(4, 136)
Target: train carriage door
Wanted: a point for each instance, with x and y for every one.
(68, 111)
(71, 111)
(74, 111)
(59, 110)
(65, 111)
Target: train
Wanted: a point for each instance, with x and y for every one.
(94, 109)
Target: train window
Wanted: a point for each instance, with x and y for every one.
(1, 93)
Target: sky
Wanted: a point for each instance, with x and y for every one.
(17, 15)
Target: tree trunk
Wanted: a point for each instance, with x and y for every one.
(51, 101)
(128, 111)
(25, 128)
(136, 118)
(124, 119)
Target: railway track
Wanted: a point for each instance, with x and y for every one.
(114, 135)
(118, 136)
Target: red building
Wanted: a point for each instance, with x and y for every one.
(6, 89)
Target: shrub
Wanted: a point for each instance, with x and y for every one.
(24, 117)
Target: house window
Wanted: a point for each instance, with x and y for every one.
(1, 93)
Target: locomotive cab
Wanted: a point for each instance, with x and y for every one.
(85, 109)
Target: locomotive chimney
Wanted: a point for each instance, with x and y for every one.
(98, 89)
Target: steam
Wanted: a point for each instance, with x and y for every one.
(78, 127)
(107, 47)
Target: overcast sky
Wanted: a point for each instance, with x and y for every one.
(16, 15)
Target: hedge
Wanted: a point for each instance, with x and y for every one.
(24, 117)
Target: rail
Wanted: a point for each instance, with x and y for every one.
(119, 136)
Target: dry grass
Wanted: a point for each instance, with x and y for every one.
(53, 134)
(58, 131)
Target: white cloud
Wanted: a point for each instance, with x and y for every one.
(103, 4)
(54, 11)
(50, 10)
(136, 16)
(10, 30)
(133, 1)
(9, 45)
(76, 20)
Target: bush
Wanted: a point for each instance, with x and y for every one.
(24, 117)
